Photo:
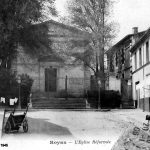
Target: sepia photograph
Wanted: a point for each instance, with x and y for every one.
(74, 74)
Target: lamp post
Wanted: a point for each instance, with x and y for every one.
(19, 101)
(99, 94)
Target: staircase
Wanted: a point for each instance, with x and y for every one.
(59, 103)
(45, 102)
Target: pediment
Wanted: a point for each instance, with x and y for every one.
(59, 30)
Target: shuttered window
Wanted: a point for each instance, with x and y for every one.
(140, 57)
(135, 58)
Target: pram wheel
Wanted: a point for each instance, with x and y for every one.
(25, 126)
(7, 127)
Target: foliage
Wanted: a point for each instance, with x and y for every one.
(8, 83)
(9, 86)
(25, 89)
(93, 16)
(87, 57)
(108, 99)
(112, 99)
(16, 18)
(35, 39)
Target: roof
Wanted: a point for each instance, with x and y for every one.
(54, 57)
(123, 40)
(141, 40)
(50, 58)
(68, 27)
(120, 42)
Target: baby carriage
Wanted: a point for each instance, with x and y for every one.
(15, 121)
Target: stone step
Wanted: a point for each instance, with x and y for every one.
(58, 100)
(47, 98)
(81, 103)
(51, 95)
(55, 104)
(60, 107)
(59, 103)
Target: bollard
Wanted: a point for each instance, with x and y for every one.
(148, 117)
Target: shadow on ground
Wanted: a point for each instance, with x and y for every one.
(41, 127)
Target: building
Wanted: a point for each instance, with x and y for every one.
(141, 72)
(54, 73)
(119, 60)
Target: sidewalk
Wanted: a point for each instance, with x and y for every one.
(135, 116)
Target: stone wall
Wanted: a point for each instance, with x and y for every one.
(62, 37)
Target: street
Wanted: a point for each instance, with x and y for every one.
(95, 129)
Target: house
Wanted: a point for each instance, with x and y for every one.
(54, 73)
(119, 60)
(140, 53)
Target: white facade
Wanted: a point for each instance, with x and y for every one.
(141, 71)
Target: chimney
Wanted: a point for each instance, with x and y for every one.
(135, 30)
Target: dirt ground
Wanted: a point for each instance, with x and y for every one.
(134, 138)
(79, 129)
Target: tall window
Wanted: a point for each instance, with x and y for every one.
(147, 52)
(140, 57)
(135, 58)
(116, 59)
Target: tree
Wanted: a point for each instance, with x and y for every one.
(17, 26)
(93, 16)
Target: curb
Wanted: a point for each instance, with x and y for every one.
(61, 109)
(89, 110)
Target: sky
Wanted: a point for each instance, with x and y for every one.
(127, 13)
